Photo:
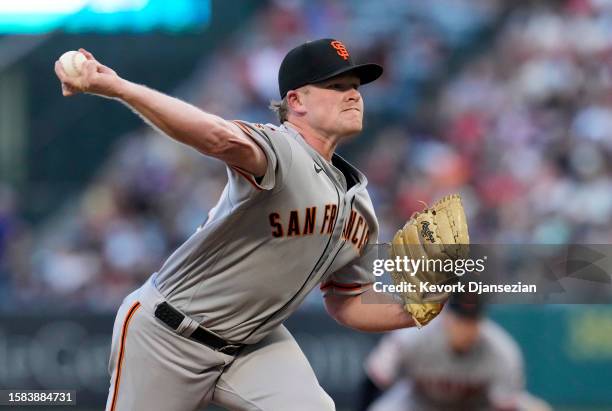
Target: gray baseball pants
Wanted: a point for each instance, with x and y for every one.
(155, 368)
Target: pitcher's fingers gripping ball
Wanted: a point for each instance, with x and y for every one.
(439, 232)
(80, 72)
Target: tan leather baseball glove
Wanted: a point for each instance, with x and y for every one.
(437, 233)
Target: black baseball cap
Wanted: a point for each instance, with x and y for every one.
(320, 60)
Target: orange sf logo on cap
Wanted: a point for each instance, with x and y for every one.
(340, 49)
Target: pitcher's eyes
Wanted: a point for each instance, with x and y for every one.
(342, 86)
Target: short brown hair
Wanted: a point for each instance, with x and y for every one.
(281, 109)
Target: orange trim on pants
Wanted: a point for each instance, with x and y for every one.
(126, 323)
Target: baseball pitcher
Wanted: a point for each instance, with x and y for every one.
(207, 326)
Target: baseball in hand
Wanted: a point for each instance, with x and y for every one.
(72, 62)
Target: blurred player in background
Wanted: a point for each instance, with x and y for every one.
(461, 361)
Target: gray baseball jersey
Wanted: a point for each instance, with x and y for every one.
(428, 375)
(265, 245)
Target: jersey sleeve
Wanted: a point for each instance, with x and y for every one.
(277, 151)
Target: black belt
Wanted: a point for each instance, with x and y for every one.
(173, 318)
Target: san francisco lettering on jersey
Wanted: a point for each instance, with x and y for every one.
(297, 223)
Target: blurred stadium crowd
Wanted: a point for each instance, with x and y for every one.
(523, 130)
